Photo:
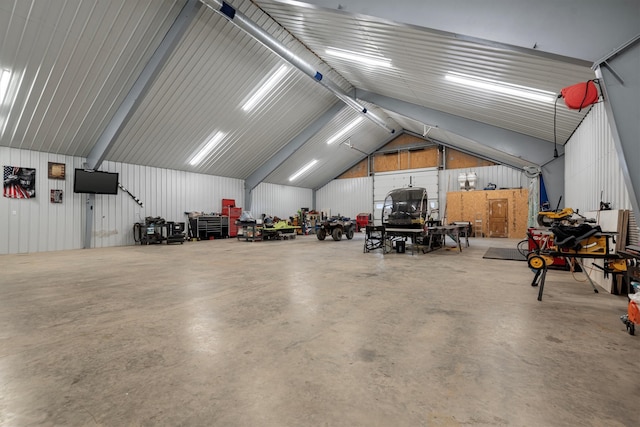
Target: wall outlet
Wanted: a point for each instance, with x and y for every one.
(14, 213)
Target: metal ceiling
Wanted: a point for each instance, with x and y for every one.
(335, 158)
(72, 62)
(421, 59)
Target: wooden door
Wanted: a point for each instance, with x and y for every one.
(498, 218)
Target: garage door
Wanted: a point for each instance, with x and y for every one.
(384, 182)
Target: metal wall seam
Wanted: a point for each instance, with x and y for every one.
(592, 169)
(39, 225)
(282, 201)
(347, 197)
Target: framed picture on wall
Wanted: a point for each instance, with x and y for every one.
(56, 196)
(56, 170)
(19, 183)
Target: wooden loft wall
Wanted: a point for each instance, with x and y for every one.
(405, 159)
(402, 153)
(358, 171)
(455, 159)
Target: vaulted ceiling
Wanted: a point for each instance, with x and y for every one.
(68, 66)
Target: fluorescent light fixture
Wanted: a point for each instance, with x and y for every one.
(262, 91)
(344, 131)
(376, 61)
(214, 140)
(303, 169)
(502, 87)
(5, 79)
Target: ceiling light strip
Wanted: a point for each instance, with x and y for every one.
(5, 79)
(264, 89)
(303, 169)
(344, 131)
(501, 87)
(214, 140)
(376, 61)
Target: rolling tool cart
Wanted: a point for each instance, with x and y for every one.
(176, 232)
(152, 231)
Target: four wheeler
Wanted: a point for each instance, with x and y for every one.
(336, 226)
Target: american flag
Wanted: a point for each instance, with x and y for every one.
(12, 187)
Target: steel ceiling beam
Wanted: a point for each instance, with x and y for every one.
(528, 148)
(577, 31)
(143, 83)
(287, 151)
(131, 102)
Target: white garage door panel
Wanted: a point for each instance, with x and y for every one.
(384, 182)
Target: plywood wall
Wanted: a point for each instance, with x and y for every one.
(386, 162)
(357, 171)
(427, 158)
(405, 158)
(458, 160)
(474, 205)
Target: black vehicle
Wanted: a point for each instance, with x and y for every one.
(336, 226)
(405, 208)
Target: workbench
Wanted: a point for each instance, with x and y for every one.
(401, 234)
(430, 238)
(250, 231)
(436, 236)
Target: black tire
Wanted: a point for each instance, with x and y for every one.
(523, 247)
(322, 233)
(337, 234)
(349, 233)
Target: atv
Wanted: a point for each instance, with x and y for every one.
(336, 226)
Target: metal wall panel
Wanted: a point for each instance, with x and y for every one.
(36, 225)
(592, 167)
(383, 182)
(282, 201)
(347, 197)
(165, 193)
(502, 176)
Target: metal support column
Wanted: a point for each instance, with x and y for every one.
(132, 100)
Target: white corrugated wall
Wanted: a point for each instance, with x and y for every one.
(592, 172)
(347, 197)
(282, 201)
(37, 225)
(501, 176)
(592, 166)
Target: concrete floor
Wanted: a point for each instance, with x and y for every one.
(307, 333)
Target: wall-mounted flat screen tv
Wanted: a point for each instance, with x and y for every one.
(95, 182)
